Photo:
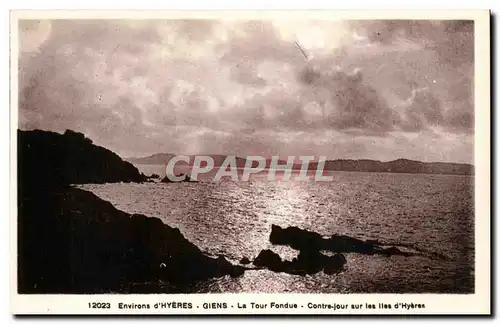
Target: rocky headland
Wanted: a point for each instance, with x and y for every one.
(71, 241)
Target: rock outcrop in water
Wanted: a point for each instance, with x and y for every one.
(311, 246)
(308, 262)
(304, 240)
(70, 241)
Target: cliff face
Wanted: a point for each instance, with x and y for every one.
(70, 241)
(48, 159)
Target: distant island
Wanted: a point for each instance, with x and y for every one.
(364, 165)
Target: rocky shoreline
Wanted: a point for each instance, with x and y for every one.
(71, 241)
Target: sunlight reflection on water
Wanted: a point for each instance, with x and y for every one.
(234, 219)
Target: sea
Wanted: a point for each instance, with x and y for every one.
(426, 212)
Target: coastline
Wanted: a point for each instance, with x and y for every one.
(72, 241)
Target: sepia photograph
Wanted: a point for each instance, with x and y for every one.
(220, 154)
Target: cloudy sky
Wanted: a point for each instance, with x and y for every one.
(360, 89)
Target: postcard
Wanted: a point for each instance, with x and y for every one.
(250, 163)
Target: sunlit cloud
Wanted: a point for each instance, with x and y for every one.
(371, 89)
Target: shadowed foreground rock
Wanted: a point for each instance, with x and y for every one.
(309, 242)
(74, 242)
(70, 241)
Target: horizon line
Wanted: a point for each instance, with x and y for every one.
(312, 161)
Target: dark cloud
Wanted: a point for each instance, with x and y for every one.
(433, 55)
(221, 87)
(423, 110)
(460, 121)
(355, 103)
(258, 43)
(452, 40)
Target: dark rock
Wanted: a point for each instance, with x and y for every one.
(48, 159)
(343, 243)
(312, 262)
(395, 251)
(223, 265)
(237, 271)
(270, 260)
(334, 264)
(307, 262)
(311, 243)
(245, 260)
(295, 237)
(71, 241)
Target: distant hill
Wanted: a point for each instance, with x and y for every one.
(397, 166)
(158, 158)
(364, 165)
(164, 158)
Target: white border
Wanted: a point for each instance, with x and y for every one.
(478, 303)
